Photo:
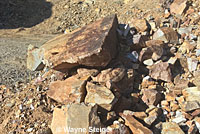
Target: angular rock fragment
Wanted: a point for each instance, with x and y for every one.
(110, 74)
(86, 73)
(192, 94)
(192, 64)
(34, 58)
(117, 128)
(69, 119)
(171, 128)
(97, 94)
(166, 34)
(190, 105)
(70, 90)
(140, 24)
(92, 45)
(178, 6)
(135, 126)
(151, 97)
(138, 41)
(161, 70)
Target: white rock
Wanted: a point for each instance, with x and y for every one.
(192, 64)
(148, 62)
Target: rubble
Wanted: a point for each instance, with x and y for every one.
(141, 78)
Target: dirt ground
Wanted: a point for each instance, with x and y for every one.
(24, 22)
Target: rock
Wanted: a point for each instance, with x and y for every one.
(191, 94)
(34, 58)
(70, 90)
(179, 118)
(140, 25)
(161, 70)
(198, 42)
(190, 105)
(148, 62)
(192, 64)
(135, 126)
(171, 128)
(86, 73)
(69, 119)
(185, 30)
(186, 47)
(197, 122)
(153, 116)
(92, 45)
(151, 97)
(178, 6)
(197, 52)
(97, 94)
(145, 54)
(140, 115)
(111, 74)
(117, 128)
(166, 34)
(139, 41)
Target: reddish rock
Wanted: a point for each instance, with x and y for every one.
(92, 45)
(161, 70)
(67, 119)
(70, 90)
(135, 126)
(166, 34)
(178, 7)
(151, 97)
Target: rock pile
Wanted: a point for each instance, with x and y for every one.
(110, 78)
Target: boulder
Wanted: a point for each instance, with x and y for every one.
(93, 45)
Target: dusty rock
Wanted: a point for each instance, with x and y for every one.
(70, 117)
(97, 94)
(34, 58)
(161, 70)
(178, 7)
(140, 24)
(166, 34)
(135, 126)
(192, 64)
(191, 94)
(197, 122)
(186, 47)
(151, 97)
(153, 116)
(171, 128)
(70, 90)
(83, 72)
(190, 105)
(92, 45)
(110, 75)
(140, 115)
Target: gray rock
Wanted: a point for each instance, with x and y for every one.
(192, 64)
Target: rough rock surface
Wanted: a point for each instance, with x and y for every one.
(92, 45)
(70, 90)
(69, 119)
(97, 94)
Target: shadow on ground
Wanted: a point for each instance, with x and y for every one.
(23, 13)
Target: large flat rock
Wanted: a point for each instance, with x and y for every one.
(92, 45)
